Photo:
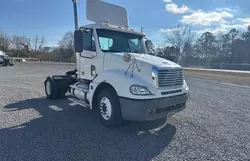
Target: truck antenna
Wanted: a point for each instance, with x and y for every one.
(75, 14)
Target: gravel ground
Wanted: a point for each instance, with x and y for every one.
(215, 125)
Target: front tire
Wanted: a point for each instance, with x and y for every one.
(109, 109)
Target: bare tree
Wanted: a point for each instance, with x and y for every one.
(4, 42)
(66, 45)
(38, 43)
(30, 45)
(17, 44)
(47, 49)
(150, 47)
(178, 36)
(35, 44)
(67, 42)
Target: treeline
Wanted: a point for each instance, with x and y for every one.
(35, 47)
(208, 49)
(183, 46)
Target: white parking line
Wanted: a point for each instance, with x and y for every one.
(73, 104)
(56, 108)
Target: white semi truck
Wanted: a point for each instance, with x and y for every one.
(114, 75)
(5, 60)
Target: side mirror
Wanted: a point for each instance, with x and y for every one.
(78, 41)
(147, 43)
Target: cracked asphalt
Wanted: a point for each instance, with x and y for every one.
(214, 126)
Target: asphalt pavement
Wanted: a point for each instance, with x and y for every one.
(214, 126)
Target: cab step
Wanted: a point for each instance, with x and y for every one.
(78, 102)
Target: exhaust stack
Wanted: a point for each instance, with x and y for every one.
(76, 28)
(75, 14)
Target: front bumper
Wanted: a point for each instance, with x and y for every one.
(152, 109)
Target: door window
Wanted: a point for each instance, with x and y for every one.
(89, 40)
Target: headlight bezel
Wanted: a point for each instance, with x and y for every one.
(137, 87)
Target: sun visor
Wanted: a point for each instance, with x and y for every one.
(102, 12)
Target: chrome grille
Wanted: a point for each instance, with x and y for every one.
(170, 77)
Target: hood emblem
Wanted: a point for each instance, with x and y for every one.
(133, 64)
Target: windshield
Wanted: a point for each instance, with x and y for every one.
(113, 41)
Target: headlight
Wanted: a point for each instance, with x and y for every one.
(139, 90)
(155, 76)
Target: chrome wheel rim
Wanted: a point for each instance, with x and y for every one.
(105, 108)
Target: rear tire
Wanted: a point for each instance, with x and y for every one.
(109, 108)
(51, 89)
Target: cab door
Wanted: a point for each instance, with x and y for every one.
(90, 61)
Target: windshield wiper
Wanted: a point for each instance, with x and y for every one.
(112, 51)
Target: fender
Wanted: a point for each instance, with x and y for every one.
(121, 82)
(117, 79)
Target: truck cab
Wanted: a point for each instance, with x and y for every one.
(117, 77)
(5, 60)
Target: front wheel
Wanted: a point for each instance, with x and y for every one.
(109, 108)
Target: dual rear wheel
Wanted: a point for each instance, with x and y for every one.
(53, 90)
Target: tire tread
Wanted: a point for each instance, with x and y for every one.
(116, 119)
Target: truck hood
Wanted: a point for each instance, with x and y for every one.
(153, 60)
(145, 63)
(156, 61)
(150, 60)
